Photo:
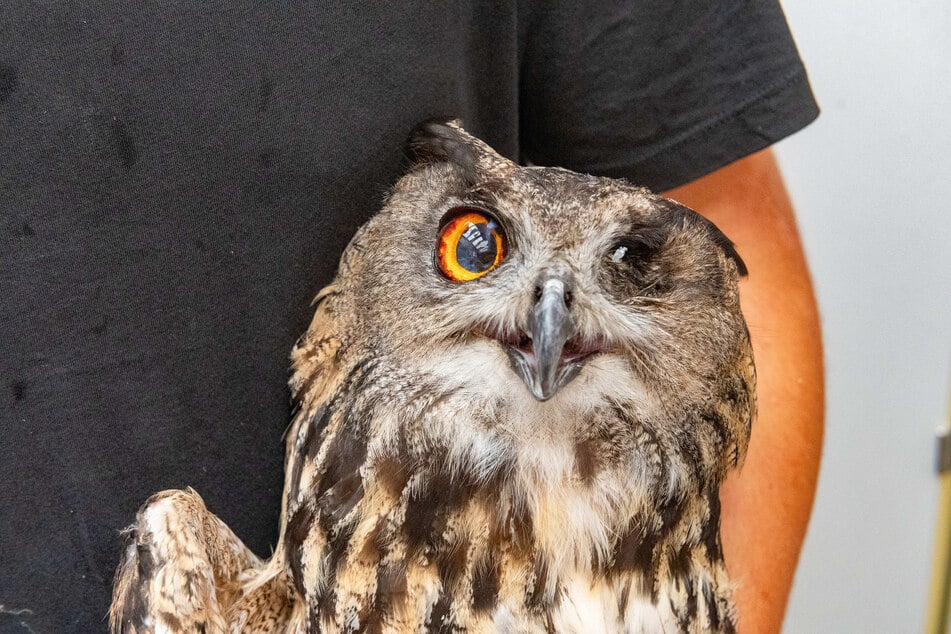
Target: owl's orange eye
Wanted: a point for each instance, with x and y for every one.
(470, 245)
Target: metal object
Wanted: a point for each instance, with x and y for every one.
(944, 450)
(940, 592)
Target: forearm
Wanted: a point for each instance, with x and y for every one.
(766, 506)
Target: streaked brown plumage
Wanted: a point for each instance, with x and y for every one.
(539, 449)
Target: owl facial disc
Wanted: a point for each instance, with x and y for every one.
(546, 364)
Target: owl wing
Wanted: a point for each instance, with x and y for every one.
(184, 570)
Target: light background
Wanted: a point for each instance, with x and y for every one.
(871, 180)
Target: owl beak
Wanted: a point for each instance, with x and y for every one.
(543, 369)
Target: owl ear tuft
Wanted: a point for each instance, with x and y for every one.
(688, 215)
(728, 247)
(444, 140)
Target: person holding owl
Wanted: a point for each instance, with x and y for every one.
(178, 184)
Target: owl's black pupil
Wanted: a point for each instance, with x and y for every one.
(476, 249)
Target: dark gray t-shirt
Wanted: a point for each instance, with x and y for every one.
(177, 180)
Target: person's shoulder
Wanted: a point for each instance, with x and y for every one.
(661, 93)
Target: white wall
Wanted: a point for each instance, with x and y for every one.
(871, 181)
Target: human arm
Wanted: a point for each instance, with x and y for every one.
(766, 506)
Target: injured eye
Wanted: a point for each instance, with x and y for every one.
(639, 247)
(470, 244)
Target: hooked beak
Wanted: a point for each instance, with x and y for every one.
(542, 364)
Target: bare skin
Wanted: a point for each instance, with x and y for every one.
(766, 506)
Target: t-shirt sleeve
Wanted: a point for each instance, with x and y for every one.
(658, 92)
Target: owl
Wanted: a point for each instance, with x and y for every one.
(517, 401)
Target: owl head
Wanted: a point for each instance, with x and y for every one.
(545, 290)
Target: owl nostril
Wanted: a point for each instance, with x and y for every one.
(569, 297)
(538, 293)
(525, 344)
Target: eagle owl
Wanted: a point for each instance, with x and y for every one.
(516, 404)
